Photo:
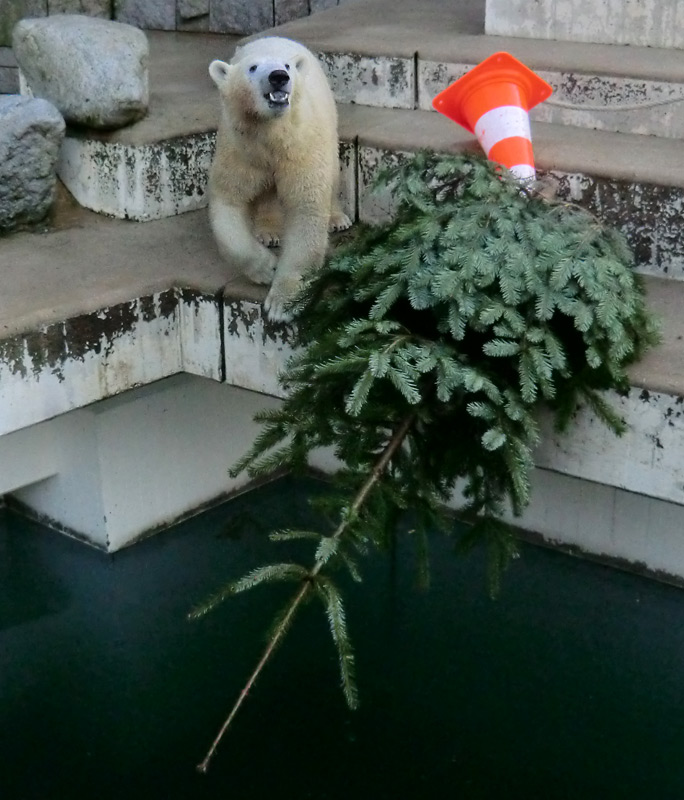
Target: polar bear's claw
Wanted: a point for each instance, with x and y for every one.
(339, 221)
(274, 305)
(268, 239)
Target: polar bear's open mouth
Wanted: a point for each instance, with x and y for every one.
(278, 98)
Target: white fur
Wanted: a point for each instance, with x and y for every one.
(275, 174)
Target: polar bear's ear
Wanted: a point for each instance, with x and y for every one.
(219, 72)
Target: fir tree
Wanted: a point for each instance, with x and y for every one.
(426, 347)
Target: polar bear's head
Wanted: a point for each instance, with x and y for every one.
(261, 80)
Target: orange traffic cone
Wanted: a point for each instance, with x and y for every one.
(492, 101)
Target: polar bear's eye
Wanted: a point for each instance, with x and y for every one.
(287, 66)
(253, 68)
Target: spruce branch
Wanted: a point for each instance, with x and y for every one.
(308, 582)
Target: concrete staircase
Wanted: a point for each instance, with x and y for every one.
(98, 306)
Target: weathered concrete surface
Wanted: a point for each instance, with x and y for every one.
(387, 27)
(93, 70)
(256, 349)
(652, 23)
(120, 305)
(94, 262)
(31, 132)
(370, 81)
(141, 183)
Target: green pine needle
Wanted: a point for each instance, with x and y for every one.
(453, 324)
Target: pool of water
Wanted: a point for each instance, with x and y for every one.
(570, 685)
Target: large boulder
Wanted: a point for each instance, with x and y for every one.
(93, 70)
(31, 132)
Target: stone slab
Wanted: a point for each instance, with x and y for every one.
(11, 11)
(90, 8)
(234, 16)
(92, 262)
(148, 14)
(9, 80)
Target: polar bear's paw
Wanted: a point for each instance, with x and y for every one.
(268, 238)
(279, 297)
(339, 221)
(261, 269)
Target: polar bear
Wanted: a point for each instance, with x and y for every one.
(276, 155)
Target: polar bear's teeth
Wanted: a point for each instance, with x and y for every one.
(279, 97)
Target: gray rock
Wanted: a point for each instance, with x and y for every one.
(157, 15)
(31, 132)
(93, 70)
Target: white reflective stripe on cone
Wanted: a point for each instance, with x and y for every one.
(523, 171)
(500, 123)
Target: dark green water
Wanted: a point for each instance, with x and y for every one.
(570, 686)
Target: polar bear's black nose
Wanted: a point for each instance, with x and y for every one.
(278, 78)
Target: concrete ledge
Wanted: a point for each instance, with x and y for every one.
(114, 470)
(158, 167)
(141, 183)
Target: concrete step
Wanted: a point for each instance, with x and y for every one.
(633, 182)
(158, 167)
(397, 54)
(96, 307)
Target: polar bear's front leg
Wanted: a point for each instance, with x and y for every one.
(232, 230)
(304, 242)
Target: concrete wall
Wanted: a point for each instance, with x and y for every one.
(216, 16)
(650, 23)
(219, 16)
(132, 464)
